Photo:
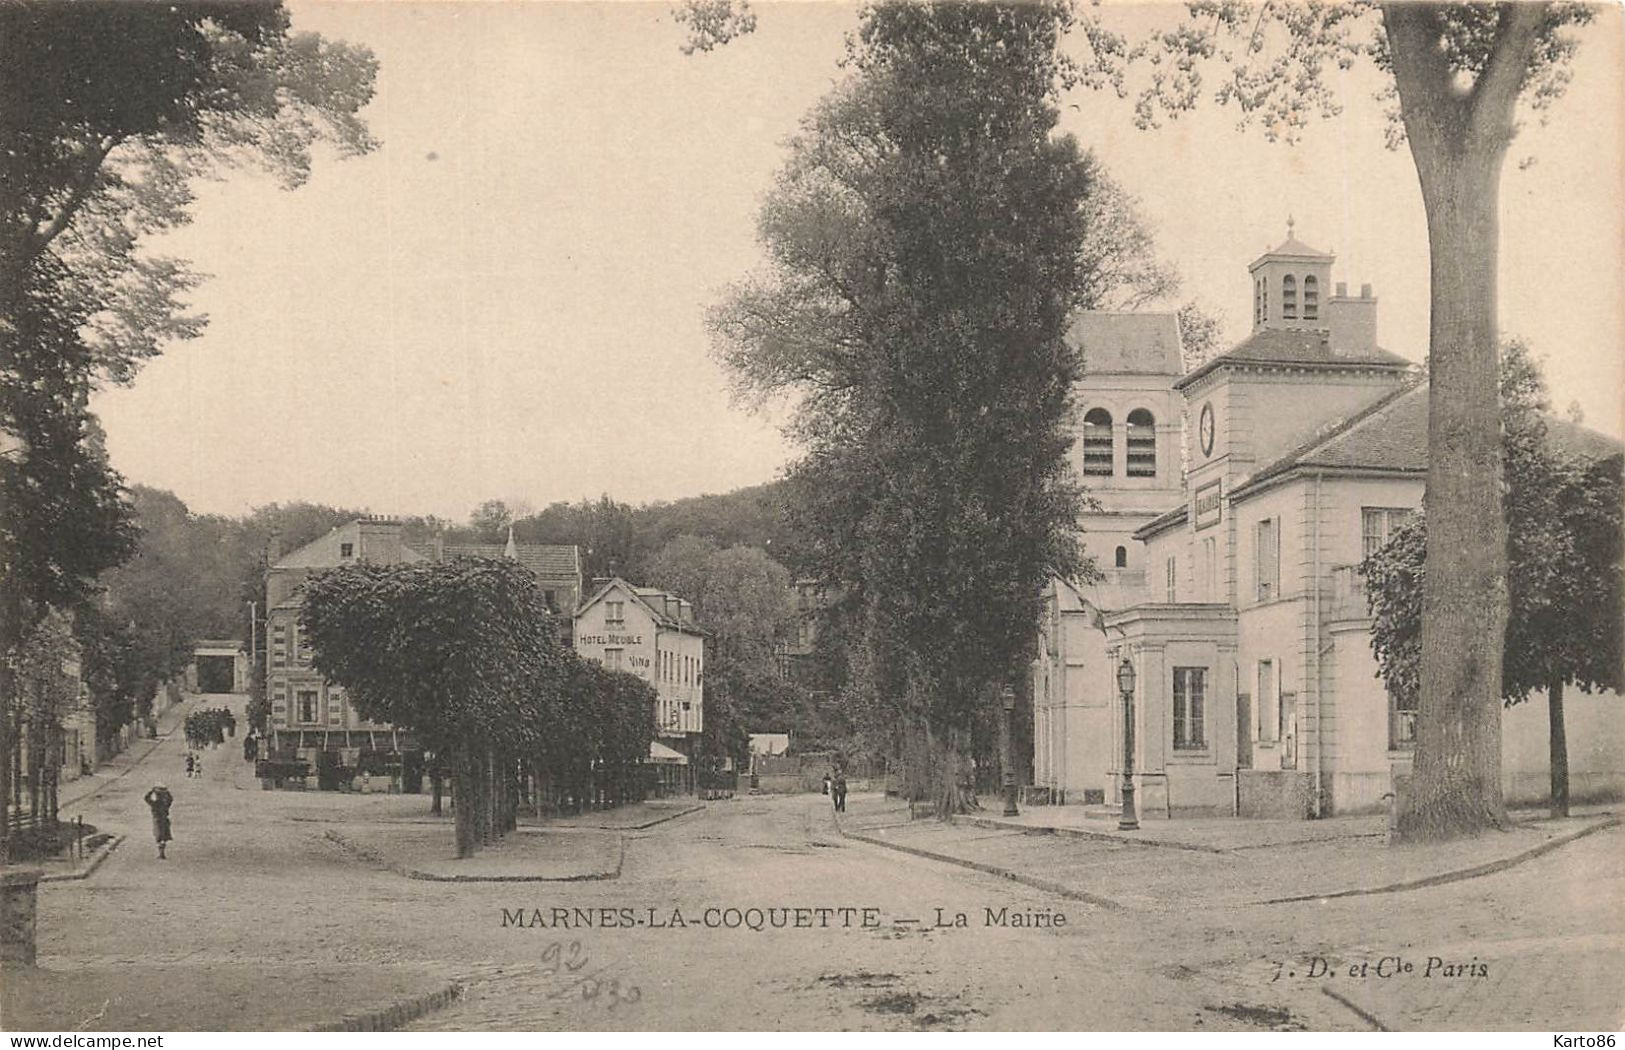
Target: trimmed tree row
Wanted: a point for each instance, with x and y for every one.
(466, 655)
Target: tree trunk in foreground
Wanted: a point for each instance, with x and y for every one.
(1559, 742)
(1458, 141)
(937, 773)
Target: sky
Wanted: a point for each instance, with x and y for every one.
(506, 299)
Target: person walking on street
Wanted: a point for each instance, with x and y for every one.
(191, 763)
(160, 800)
(838, 789)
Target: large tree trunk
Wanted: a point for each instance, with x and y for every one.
(1559, 749)
(1458, 141)
(937, 773)
(1456, 785)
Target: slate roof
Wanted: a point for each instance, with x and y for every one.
(1127, 343)
(1165, 520)
(1389, 435)
(551, 560)
(324, 553)
(1392, 436)
(1294, 248)
(1294, 346)
(647, 598)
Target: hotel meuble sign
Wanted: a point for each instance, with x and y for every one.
(1207, 508)
(611, 639)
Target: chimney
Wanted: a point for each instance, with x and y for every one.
(437, 544)
(1352, 322)
(379, 540)
(273, 547)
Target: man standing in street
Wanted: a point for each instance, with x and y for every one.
(159, 799)
(838, 789)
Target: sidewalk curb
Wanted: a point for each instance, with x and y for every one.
(987, 869)
(157, 742)
(1461, 874)
(89, 869)
(389, 1018)
(1097, 836)
(547, 825)
(371, 857)
(651, 823)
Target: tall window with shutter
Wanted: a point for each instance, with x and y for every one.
(1267, 559)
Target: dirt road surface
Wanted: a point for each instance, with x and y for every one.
(669, 944)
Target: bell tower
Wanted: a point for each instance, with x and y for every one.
(1291, 286)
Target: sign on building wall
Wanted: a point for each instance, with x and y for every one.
(1207, 508)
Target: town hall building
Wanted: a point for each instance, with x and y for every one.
(1235, 502)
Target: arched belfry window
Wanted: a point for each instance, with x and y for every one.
(1142, 444)
(1311, 299)
(1289, 298)
(1121, 561)
(1258, 301)
(1097, 443)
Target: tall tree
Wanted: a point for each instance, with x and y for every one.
(929, 237)
(1563, 519)
(490, 521)
(111, 110)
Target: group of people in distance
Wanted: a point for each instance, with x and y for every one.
(209, 727)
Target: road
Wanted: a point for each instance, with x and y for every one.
(252, 880)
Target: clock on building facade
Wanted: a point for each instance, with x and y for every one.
(1204, 429)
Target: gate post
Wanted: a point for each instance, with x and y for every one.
(18, 888)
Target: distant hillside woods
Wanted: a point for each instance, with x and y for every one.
(196, 573)
(733, 554)
(618, 539)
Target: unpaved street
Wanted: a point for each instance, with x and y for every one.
(253, 880)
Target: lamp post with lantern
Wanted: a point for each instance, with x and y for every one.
(1007, 758)
(1130, 820)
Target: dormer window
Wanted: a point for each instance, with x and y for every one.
(1289, 297)
(1311, 299)
(1142, 444)
(1097, 443)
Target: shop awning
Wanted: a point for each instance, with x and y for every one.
(659, 752)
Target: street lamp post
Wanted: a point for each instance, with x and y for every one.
(1130, 820)
(1007, 758)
